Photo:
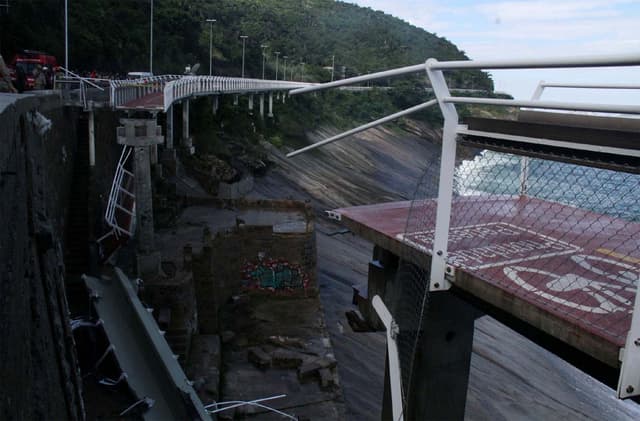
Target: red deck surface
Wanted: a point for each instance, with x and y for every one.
(152, 101)
(565, 262)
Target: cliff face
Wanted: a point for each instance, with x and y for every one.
(37, 358)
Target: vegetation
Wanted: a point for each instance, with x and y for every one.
(113, 36)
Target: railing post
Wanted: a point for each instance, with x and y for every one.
(438, 280)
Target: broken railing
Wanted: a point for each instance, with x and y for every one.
(120, 214)
(81, 91)
(553, 218)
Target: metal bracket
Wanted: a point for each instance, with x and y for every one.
(629, 381)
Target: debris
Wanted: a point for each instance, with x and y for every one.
(286, 341)
(284, 358)
(327, 378)
(357, 323)
(258, 357)
(310, 367)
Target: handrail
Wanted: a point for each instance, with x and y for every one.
(542, 85)
(83, 79)
(207, 85)
(364, 127)
(614, 60)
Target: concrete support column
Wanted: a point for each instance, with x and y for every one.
(153, 154)
(92, 139)
(270, 105)
(215, 105)
(250, 102)
(169, 129)
(235, 100)
(261, 101)
(144, 199)
(142, 135)
(185, 120)
(284, 97)
(440, 377)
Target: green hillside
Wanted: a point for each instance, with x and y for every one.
(113, 36)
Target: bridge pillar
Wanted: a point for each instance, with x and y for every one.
(92, 139)
(261, 102)
(169, 129)
(142, 135)
(270, 104)
(251, 102)
(186, 139)
(235, 100)
(284, 97)
(215, 105)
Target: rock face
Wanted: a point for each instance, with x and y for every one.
(38, 366)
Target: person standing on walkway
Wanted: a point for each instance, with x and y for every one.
(5, 78)
(39, 80)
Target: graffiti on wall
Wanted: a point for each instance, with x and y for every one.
(275, 274)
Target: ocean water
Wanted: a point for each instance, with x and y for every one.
(607, 192)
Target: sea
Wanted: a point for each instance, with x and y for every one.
(613, 193)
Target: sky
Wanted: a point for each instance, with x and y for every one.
(495, 29)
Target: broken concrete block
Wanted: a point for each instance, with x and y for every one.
(326, 378)
(310, 367)
(286, 341)
(258, 357)
(285, 358)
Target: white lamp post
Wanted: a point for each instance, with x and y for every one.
(284, 72)
(277, 53)
(210, 44)
(263, 46)
(244, 39)
(151, 40)
(66, 38)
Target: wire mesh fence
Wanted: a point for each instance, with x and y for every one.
(562, 237)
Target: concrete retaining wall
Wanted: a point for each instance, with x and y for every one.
(37, 358)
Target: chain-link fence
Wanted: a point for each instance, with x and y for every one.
(562, 237)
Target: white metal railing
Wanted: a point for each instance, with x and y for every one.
(123, 91)
(629, 381)
(121, 198)
(190, 86)
(80, 90)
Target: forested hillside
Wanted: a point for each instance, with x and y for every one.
(113, 36)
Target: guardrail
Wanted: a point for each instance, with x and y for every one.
(612, 290)
(189, 86)
(123, 91)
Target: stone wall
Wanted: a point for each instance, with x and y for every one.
(37, 356)
(218, 270)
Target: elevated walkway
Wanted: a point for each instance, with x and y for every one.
(542, 225)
